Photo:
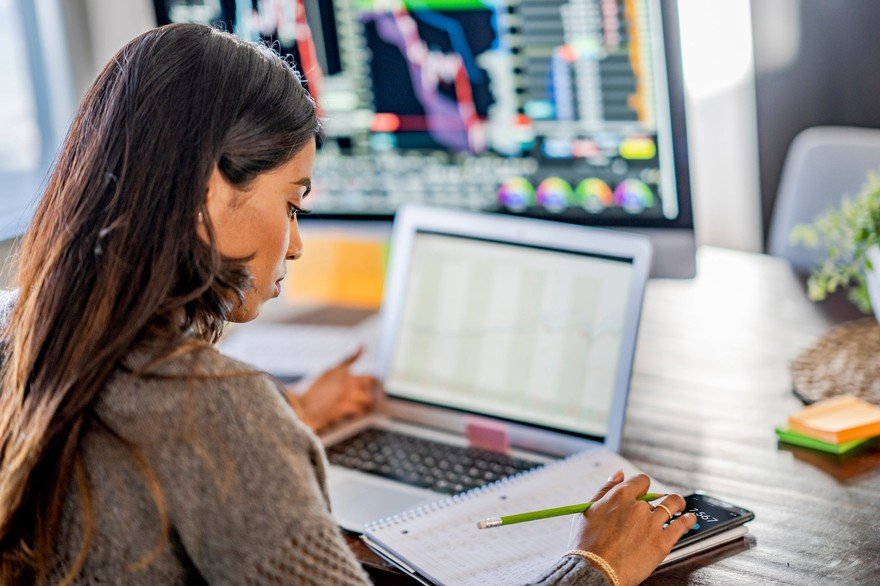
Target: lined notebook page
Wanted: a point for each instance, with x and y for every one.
(442, 542)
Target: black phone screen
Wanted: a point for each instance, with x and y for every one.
(713, 516)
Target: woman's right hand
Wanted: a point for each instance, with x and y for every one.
(629, 533)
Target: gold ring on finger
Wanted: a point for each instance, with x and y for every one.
(668, 512)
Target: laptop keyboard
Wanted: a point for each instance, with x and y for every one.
(421, 462)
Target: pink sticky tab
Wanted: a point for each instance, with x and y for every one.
(487, 434)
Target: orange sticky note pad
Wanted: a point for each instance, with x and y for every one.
(838, 420)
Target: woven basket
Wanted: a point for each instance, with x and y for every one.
(845, 361)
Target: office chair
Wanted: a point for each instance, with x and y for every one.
(823, 164)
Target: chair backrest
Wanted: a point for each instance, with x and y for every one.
(823, 164)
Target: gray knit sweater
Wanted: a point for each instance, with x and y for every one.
(241, 478)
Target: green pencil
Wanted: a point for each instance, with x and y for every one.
(547, 513)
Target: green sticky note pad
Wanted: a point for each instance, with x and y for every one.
(798, 439)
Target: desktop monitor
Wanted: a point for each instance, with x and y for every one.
(566, 110)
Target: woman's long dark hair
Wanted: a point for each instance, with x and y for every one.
(113, 255)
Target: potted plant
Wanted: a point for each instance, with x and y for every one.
(850, 237)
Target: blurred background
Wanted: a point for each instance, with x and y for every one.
(643, 115)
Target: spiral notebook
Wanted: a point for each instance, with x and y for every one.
(440, 543)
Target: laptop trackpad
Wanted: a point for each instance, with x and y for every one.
(358, 499)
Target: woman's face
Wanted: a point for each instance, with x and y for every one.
(261, 221)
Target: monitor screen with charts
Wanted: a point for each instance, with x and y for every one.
(519, 332)
(569, 110)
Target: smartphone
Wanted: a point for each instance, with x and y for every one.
(713, 516)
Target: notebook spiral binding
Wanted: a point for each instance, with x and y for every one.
(411, 514)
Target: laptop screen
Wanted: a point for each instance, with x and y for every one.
(513, 331)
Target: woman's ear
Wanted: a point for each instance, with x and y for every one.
(215, 185)
(219, 195)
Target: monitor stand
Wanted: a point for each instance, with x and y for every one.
(675, 252)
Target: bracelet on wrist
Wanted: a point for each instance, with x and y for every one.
(598, 562)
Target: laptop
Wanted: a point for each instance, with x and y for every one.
(504, 343)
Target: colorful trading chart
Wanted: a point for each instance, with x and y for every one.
(550, 107)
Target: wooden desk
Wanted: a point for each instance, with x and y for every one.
(711, 382)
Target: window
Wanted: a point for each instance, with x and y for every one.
(20, 140)
(36, 103)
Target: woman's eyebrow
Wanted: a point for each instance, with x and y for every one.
(305, 182)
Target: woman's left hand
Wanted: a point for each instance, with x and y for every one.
(335, 395)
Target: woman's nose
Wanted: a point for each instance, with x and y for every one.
(295, 246)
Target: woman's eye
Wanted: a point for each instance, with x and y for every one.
(293, 210)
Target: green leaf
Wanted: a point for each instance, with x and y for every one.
(843, 235)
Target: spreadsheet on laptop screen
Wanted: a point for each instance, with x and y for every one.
(514, 331)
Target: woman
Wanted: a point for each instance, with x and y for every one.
(130, 449)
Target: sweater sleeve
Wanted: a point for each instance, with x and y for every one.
(571, 571)
(243, 491)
